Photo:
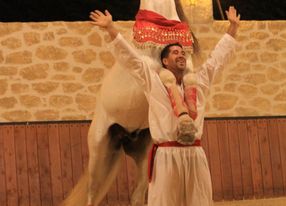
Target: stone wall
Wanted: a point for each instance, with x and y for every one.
(254, 81)
(53, 70)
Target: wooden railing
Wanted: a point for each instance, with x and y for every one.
(247, 157)
(41, 162)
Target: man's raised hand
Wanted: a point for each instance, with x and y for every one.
(232, 15)
(101, 19)
(104, 20)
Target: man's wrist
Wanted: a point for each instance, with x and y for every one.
(232, 29)
(109, 27)
(111, 30)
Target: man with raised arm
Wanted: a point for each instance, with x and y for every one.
(179, 173)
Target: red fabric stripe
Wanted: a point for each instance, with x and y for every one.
(177, 144)
(191, 100)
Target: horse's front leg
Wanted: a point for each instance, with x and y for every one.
(139, 193)
(138, 149)
(104, 163)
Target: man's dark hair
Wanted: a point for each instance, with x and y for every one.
(166, 50)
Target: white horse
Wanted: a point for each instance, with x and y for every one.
(120, 125)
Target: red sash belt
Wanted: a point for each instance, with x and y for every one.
(152, 153)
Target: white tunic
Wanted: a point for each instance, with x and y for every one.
(166, 8)
(181, 176)
(162, 120)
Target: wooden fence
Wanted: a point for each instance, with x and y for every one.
(41, 162)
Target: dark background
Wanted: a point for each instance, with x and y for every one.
(78, 10)
(64, 10)
(254, 9)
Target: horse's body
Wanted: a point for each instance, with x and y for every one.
(121, 109)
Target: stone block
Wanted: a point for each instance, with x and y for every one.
(60, 101)
(45, 87)
(17, 116)
(85, 102)
(47, 115)
(51, 53)
(3, 86)
(8, 71)
(30, 101)
(35, 72)
(84, 56)
(93, 75)
(8, 102)
(19, 88)
(12, 43)
(224, 101)
(70, 42)
(31, 38)
(107, 59)
(72, 87)
(94, 39)
(21, 57)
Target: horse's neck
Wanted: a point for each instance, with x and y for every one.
(166, 8)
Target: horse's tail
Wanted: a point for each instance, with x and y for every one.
(78, 196)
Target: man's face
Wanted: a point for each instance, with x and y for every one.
(176, 60)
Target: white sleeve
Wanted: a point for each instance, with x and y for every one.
(218, 57)
(137, 65)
